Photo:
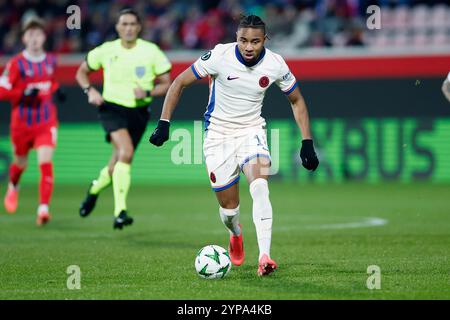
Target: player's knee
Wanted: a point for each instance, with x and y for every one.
(44, 154)
(111, 169)
(126, 154)
(44, 158)
(259, 188)
(21, 162)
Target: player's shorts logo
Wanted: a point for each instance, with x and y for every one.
(206, 56)
(264, 81)
(140, 71)
(212, 176)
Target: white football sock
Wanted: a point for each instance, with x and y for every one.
(230, 218)
(42, 208)
(262, 214)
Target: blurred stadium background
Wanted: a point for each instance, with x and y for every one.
(374, 95)
(378, 116)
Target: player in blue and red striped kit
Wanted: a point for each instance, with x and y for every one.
(28, 83)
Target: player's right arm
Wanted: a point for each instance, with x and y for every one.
(185, 79)
(82, 76)
(161, 133)
(446, 87)
(93, 62)
(204, 66)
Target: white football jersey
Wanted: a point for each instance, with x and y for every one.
(236, 91)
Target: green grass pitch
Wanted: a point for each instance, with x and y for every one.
(324, 238)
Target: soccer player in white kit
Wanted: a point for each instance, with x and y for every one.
(235, 139)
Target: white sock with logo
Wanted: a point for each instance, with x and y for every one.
(262, 214)
(230, 218)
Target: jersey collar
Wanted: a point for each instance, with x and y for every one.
(249, 64)
(31, 58)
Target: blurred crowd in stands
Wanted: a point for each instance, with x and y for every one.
(200, 24)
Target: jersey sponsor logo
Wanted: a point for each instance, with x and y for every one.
(41, 85)
(264, 81)
(140, 71)
(212, 176)
(232, 78)
(206, 56)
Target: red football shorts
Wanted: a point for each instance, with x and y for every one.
(24, 140)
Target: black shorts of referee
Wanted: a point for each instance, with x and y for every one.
(114, 117)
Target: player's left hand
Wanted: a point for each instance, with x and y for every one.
(308, 155)
(160, 134)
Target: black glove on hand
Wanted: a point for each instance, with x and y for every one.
(308, 155)
(160, 134)
(61, 95)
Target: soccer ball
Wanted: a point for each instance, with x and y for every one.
(212, 262)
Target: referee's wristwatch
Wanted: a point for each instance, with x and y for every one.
(86, 89)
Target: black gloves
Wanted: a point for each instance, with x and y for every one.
(31, 93)
(308, 155)
(160, 134)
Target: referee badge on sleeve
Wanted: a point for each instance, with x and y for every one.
(140, 71)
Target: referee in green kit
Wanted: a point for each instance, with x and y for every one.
(131, 66)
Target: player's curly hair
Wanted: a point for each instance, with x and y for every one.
(251, 21)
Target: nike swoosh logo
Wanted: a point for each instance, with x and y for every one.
(262, 219)
(232, 78)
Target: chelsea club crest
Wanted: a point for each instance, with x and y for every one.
(140, 71)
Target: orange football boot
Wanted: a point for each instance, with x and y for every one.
(236, 248)
(266, 266)
(11, 199)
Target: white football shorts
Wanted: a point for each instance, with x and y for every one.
(226, 155)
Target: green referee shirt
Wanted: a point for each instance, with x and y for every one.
(125, 69)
